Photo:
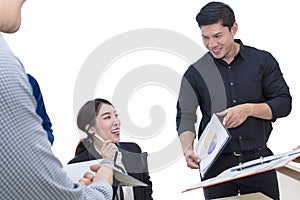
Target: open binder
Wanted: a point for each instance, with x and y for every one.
(75, 171)
(249, 168)
(211, 143)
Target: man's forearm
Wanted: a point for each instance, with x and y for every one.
(260, 110)
(187, 140)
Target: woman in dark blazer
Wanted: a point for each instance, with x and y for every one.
(99, 120)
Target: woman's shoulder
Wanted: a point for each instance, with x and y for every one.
(81, 157)
(130, 146)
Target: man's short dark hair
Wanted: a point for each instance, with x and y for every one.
(215, 12)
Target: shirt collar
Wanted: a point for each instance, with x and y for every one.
(242, 48)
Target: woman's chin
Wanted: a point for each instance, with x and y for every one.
(116, 140)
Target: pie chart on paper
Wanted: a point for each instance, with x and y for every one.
(210, 142)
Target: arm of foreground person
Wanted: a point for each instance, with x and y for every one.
(29, 169)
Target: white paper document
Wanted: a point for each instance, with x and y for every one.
(75, 172)
(256, 166)
(211, 142)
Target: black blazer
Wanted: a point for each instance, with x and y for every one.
(135, 163)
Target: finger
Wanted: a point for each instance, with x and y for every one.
(192, 157)
(109, 146)
(105, 144)
(88, 175)
(195, 158)
(104, 173)
(298, 147)
(192, 160)
(225, 121)
(110, 153)
(222, 113)
(84, 181)
(193, 165)
(112, 147)
(95, 167)
(109, 141)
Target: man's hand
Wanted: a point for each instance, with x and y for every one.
(187, 143)
(192, 160)
(297, 159)
(87, 178)
(104, 172)
(235, 116)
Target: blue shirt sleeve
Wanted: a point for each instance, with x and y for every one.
(40, 108)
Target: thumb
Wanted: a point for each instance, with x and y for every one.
(95, 167)
(222, 113)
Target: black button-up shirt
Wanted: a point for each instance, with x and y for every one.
(253, 76)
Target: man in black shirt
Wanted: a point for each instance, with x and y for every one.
(251, 96)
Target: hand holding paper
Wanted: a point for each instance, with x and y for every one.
(212, 141)
(75, 173)
(102, 171)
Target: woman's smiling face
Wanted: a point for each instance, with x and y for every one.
(107, 123)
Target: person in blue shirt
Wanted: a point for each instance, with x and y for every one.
(40, 107)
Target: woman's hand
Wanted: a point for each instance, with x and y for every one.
(108, 150)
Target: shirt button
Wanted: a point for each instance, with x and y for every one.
(229, 67)
(231, 83)
(240, 137)
(234, 101)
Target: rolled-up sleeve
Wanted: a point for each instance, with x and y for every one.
(276, 90)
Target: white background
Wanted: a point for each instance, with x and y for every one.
(57, 36)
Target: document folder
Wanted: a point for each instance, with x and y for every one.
(211, 143)
(249, 168)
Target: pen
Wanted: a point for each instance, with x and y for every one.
(115, 157)
(98, 137)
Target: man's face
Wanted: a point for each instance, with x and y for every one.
(10, 15)
(218, 39)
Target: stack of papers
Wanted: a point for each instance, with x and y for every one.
(256, 166)
(75, 172)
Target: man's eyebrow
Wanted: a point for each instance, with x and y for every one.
(218, 33)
